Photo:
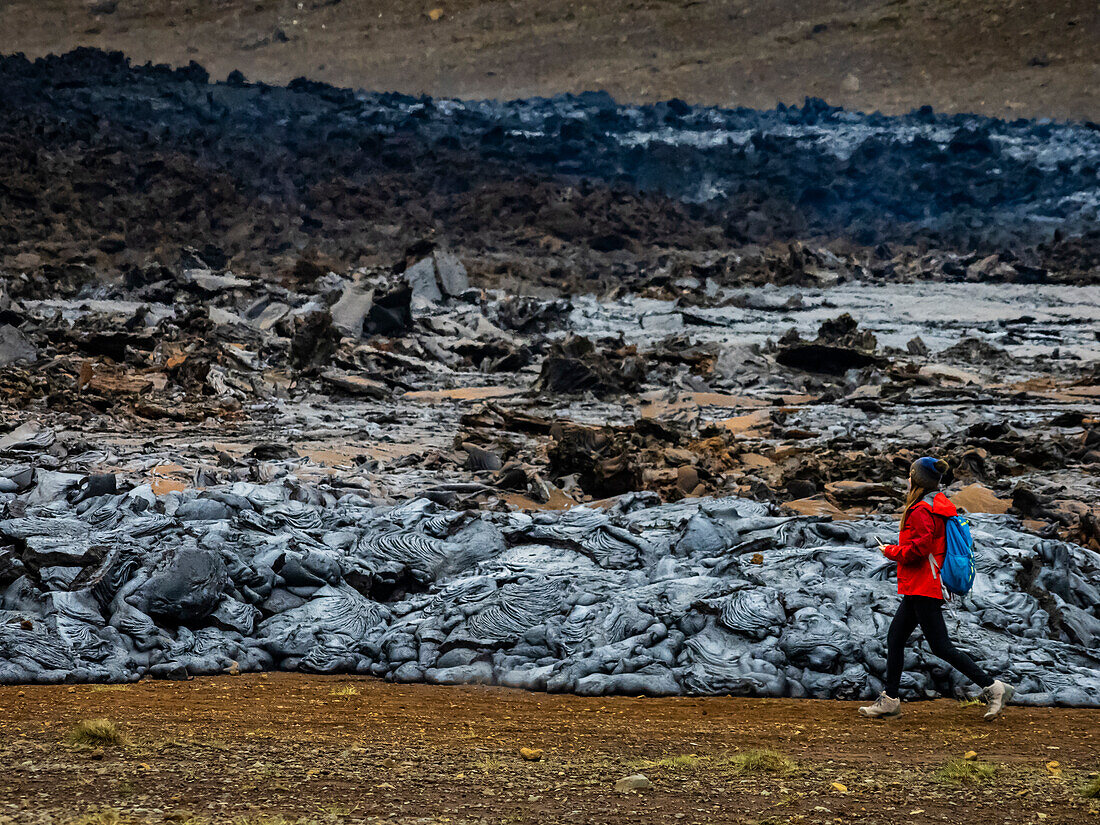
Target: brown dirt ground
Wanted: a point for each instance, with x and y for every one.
(1010, 58)
(258, 748)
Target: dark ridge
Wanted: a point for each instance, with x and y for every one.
(100, 157)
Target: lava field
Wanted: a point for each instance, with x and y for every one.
(93, 148)
(557, 393)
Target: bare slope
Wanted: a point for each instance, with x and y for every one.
(1006, 59)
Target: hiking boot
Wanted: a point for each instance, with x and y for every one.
(883, 708)
(997, 696)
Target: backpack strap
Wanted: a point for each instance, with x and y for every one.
(928, 499)
(936, 576)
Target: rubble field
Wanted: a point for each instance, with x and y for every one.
(559, 394)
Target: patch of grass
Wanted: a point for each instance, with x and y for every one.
(751, 761)
(104, 688)
(345, 690)
(96, 733)
(761, 761)
(1091, 789)
(488, 764)
(680, 762)
(958, 771)
(970, 702)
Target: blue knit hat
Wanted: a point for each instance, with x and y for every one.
(928, 471)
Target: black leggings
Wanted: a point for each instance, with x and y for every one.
(928, 613)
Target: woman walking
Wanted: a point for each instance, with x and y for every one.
(919, 555)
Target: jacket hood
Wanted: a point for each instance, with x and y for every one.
(940, 505)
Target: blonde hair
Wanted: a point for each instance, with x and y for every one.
(919, 491)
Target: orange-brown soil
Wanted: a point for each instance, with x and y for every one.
(264, 747)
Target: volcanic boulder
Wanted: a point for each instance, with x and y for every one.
(577, 365)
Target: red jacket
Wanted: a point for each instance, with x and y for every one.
(923, 536)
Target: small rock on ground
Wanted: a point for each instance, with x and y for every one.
(634, 782)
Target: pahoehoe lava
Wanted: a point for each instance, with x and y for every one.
(699, 597)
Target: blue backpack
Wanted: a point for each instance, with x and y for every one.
(957, 573)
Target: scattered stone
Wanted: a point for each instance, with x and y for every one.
(14, 346)
(634, 782)
(356, 384)
(825, 358)
(314, 342)
(687, 478)
(951, 375)
(452, 274)
(422, 281)
(102, 6)
(350, 311)
(576, 365)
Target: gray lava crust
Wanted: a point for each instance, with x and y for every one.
(700, 597)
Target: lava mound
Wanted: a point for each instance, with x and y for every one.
(705, 596)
